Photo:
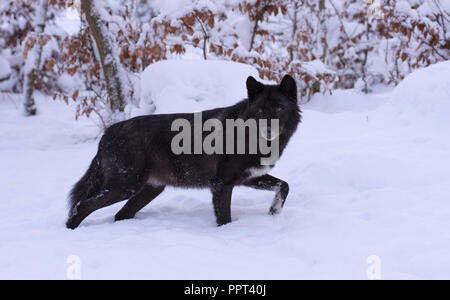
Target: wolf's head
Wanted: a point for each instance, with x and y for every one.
(271, 102)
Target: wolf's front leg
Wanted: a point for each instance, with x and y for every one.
(270, 183)
(221, 193)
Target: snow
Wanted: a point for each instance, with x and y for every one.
(192, 85)
(412, 96)
(178, 8)
(69, 21)
(315, 67)
(346, 101)
(5, 69)
(363, 182)
(445, 6)
(405, 8)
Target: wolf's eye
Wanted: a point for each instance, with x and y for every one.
(278, 109)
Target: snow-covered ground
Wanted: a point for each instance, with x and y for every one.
(369, 175)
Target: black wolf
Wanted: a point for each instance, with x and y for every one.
(135, 160)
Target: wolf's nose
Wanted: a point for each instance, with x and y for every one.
(267, 133)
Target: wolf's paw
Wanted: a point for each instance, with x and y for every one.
(123, 215)
(223, 221)
(72, 224)
(274, 210)
(277, 205)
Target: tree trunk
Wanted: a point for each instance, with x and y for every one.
(294, 30)
(110, 65)
(34, 60)
(323, 28)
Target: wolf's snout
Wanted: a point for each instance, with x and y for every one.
(268, 134)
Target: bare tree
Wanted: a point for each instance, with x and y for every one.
(34, 58)
(110, 65)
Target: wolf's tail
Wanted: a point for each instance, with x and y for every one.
(89, 185)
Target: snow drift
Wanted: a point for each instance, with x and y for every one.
(423, 97)
(193, 85)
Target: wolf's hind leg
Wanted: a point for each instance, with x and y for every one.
(270, 183)
(106, 197)
(139, 201)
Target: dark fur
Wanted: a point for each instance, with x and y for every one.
(135, 160)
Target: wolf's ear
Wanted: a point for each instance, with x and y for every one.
(253, 87)
(288, 87)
